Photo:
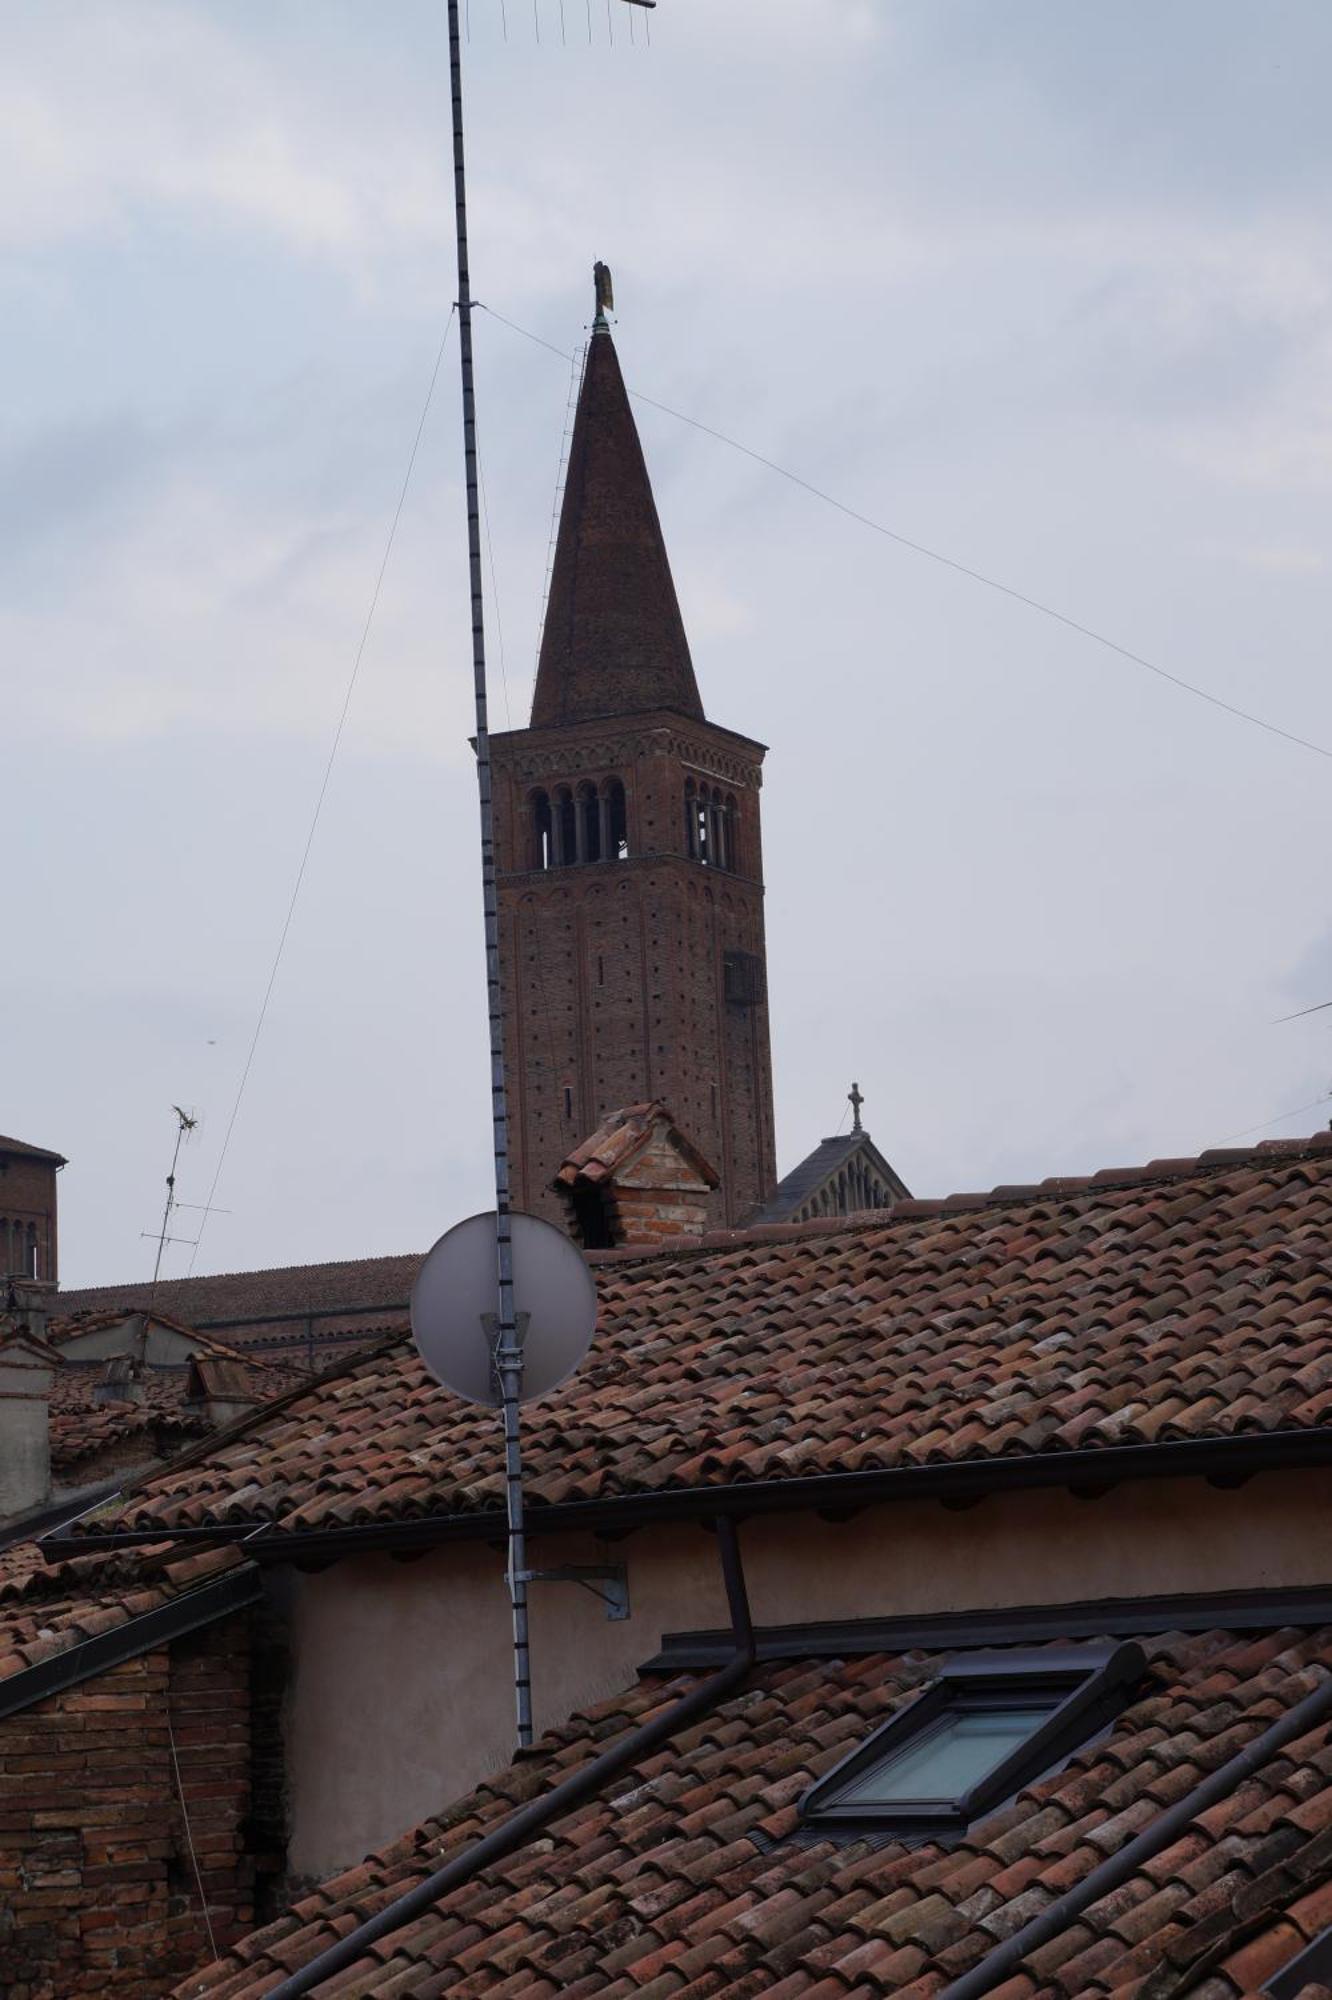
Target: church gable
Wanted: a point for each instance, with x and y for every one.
(840, 1177)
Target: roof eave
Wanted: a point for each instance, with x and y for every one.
(204, 1605)
(1225, 1460)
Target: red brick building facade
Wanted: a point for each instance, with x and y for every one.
(28, 1241)
(628, 842)
(135, 1797)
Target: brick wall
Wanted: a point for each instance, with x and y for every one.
(615, 980)
(27, 1212)
(98, 1893)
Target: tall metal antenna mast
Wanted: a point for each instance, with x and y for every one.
(508, 1350)
(508, 1347)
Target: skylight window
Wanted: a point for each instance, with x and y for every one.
(990, 1724)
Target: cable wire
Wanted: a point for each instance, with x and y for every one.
(951, 562)
(185, 1817)
(322, 793)
(1280, 1119)
(1320, 1007)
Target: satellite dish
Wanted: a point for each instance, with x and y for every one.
(454, 1307)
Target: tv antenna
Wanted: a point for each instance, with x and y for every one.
(186, 1123)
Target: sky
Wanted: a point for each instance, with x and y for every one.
(1043, 286)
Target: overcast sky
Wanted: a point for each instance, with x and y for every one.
(1045, 285)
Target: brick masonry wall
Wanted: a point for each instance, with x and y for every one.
(98, 1893)
(614, 972)
(655, 1217)
(28, 1196)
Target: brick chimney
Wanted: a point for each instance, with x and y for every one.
(27, 1370)
(637, 1182)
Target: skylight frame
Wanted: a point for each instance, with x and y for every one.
(1086, 1687)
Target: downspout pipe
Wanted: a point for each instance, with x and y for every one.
(1108, 1875)
(582, 1785)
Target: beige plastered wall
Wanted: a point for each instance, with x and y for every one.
(401, 1695)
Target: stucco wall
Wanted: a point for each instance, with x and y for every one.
(25, 1452)
(164, 1348)
(401, 1697)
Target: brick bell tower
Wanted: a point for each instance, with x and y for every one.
(628, 846)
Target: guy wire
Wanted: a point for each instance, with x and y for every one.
(577, 364)
(189, 1836)
(951, 562)
(322, 792)
(494, 588)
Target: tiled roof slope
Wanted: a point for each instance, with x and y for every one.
(19, 1149)
(381, 1284)
(44, 1610)
(1171, 1303)
(661, 1886)
(83, 1428)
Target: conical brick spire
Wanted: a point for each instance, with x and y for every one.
(614, 641)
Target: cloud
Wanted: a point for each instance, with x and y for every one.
(156, 107)
(1285, 562)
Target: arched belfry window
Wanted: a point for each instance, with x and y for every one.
(542, 836)
(709, 826)
(587, 824)
(574, 826)
(731, 825)
(566, 829)
(616, 845)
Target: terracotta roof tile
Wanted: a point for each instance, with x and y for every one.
(642, 1888)
(1042, 1322)
(45, 1610)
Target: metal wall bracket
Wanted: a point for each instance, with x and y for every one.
(608, 1581)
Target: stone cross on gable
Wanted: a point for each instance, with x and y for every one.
(855, 1100)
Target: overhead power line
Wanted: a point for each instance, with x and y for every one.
(950, 562)
(323, 790)
(1280, 1119)
(1320, 1008)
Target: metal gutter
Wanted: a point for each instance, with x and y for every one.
(1090, 1471)
(1107, 1876)
(1024, 1625)
(529, 1819)
(304, 1318)
(31, 1527)
(187, 1613)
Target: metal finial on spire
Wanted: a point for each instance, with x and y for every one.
(855, 1100)
(601, 278)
